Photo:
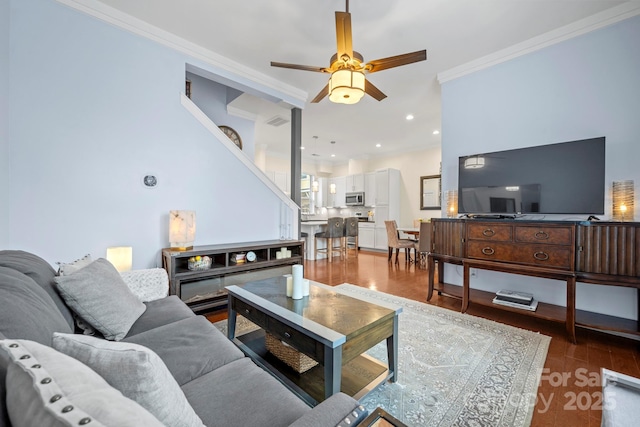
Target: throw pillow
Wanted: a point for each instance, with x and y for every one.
(137, 372)
(98, 294)
(66, 268)
(48, 388)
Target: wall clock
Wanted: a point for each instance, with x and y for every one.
(232, 135)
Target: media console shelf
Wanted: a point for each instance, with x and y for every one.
(204, 289)
(590, 252)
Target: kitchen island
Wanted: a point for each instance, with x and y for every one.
(312, 227)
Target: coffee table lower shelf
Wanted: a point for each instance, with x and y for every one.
(359, 377)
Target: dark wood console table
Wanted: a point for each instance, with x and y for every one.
(599, 253)
(204, 289)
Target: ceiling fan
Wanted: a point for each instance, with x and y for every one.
(347, 84)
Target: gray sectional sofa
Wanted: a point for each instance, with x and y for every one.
(161, 364)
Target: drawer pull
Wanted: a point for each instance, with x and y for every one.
(247, 311)
(488, 251)
(487, 232)
(541, 256)
(287, 335)
(541, 235)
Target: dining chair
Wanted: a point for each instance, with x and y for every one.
(334, 232)
(350, 236)
(423, 247)
(394, 242)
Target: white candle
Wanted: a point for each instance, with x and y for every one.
(297, 272)
(289, 279)
(305, 287)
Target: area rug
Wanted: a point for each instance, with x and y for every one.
(454, 369)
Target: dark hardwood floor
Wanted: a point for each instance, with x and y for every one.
(570, 390)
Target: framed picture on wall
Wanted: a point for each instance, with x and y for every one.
(430, 191)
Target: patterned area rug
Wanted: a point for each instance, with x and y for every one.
(454, 369)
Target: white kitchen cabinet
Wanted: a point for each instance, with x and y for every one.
(381, 238)
(320, 196)
(382, 215)
(387, 203)
(337, 199)
(366, 236)
(382, 187)
(370, 189)
(355, 183)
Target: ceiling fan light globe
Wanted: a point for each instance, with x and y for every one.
(346, 86)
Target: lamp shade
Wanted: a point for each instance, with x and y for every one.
(182, 229)
(452, 203)
(121, 257)
(346, 86)
(623, 201)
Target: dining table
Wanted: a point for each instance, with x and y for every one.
(413, 232)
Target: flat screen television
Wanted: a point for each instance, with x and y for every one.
(564, 178)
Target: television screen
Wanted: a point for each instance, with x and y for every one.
(564, 178)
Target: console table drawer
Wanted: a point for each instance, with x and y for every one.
(546, 235)
(250, 313)
(297, 339)
(541, 255)
(489, 231)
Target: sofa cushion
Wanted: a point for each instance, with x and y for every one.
(98, 294)
(41, 272)
(161, 312)
(250, 397)
(136, 371)
(190, 347)
(67, 268)
(27, 310)
(4, 363)
(48, 388)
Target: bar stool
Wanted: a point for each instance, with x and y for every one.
(350, 236)
(334, 231)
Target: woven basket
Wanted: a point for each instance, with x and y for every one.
(300, 362)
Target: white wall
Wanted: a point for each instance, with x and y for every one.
(582, 88)
(4, 122)
(96, 109)
(209, 96)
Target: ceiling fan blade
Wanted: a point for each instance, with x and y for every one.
(373, 91)
(300, 67)
(324, 92)
(396, 61)
(343, 34)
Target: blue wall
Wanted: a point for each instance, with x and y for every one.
(96, 108)
(585, 87)
(4, 122)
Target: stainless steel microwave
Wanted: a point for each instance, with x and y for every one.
(355, 199)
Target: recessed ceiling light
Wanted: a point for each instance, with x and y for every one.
(436, 132)
(333, 155)
(302, 148)
(378, 145)
(409, 117)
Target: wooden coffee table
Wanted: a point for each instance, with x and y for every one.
(330, 327)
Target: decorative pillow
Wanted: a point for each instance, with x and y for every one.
(48, 388)
(66, 268)
(137, 372)
(98, 295)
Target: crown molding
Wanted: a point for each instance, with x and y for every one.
(233, 70)
(583, 26)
